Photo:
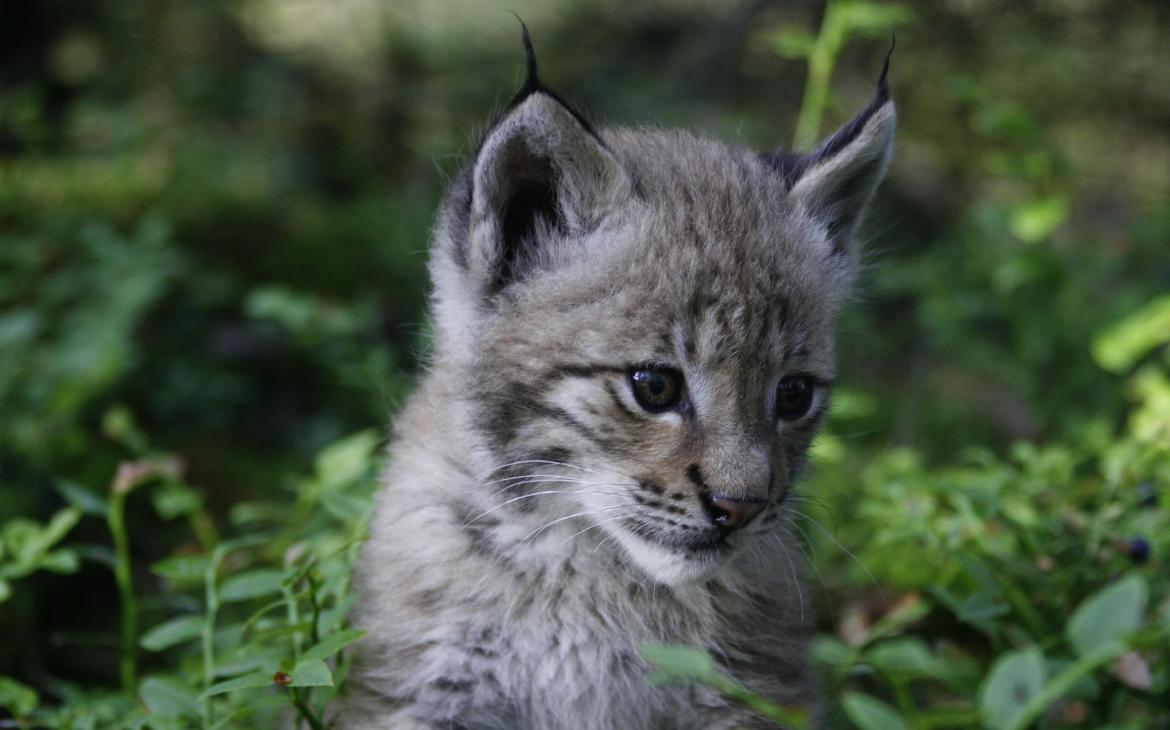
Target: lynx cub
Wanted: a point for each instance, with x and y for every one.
(633, 349)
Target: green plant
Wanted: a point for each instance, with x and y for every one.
(842, 19)
(250, 626)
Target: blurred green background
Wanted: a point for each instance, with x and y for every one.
(214, 216)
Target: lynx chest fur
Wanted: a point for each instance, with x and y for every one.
(633, 350)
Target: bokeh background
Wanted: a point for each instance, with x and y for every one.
(214, 221)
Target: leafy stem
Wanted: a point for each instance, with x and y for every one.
(128, 656)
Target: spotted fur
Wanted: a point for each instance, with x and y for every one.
(536, 524)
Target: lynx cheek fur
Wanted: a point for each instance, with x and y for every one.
(633, 349)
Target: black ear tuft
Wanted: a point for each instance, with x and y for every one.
(531, 79)
(883, 88)
(792, 165)
(532, 83)
(836, 180)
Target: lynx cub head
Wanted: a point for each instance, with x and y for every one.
(638, 325)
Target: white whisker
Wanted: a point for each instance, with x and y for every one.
(847, 552)
(544, 527)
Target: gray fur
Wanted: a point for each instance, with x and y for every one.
(530, 532)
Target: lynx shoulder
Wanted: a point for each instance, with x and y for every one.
(634, 346)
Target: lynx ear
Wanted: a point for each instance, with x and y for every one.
(541, 177)
(835, 181)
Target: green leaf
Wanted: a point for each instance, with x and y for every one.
(251, 584)
(347, 507)
(168, 697)
(332, 644)
(173, 499)
(868, 713)
(833, 652)
(875, 19)
(64, 561)
(83, 499)
(1119, 347)
(60, 526)
(1108, 615)
(18, 699)
(5, 590)
(183, 571)
(262, 678)
(1035, 220)
(793, 43)
(674, 663)
(232, 720)
(348, 459)
(312, 673)
(170, 633)
(1014, 679)
(906, 655)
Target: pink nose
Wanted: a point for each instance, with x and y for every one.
(731, 514)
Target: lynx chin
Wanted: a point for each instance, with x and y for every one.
(634, 336)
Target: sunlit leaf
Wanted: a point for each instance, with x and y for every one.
(871, 18)
(64, 560)
(82, 498)
(168, 697)
(170, 633)
(793, 42)
(834, 653)
(903, 655)
(1119, 347)
(1035, 220)
(311, 673)
(17, 698)
(59, 526)
(262, 678)
(868, 713)
(1015, 678)
(183, 571)
(673, 663)
(332, 644)
(173, 499)
(251, 584)
(348, 459)
(1108, 615)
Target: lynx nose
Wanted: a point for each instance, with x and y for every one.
(731, 514)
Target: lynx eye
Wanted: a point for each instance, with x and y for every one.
(656, 389)
(794, 396)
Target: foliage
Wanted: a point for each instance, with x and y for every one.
(252, 627)
(212, 223)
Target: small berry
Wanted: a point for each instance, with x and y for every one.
(1139, 550)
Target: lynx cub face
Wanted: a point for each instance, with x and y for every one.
(645, 322)
(633, 349)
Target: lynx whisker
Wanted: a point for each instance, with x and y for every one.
(590, 527)
(561, 492)
(848, 552)
(559, 520)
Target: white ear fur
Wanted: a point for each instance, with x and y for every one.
(539, 170)
(840, 179)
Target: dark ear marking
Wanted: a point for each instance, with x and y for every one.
(791, 165)
(531, 78)
(843, 136)
(533, 202)
(883, 87)
(532, 85)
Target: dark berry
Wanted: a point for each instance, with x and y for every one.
(1139, 550)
